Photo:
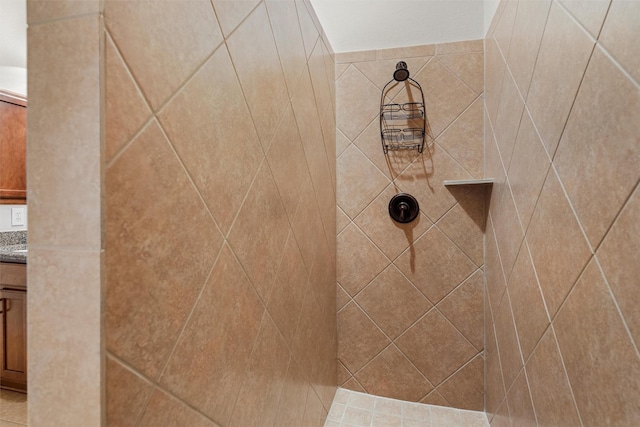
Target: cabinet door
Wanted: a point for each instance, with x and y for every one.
(13, 328)
(13, 152)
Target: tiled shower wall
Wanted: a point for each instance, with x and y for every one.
(220, 224)
(410, 321)
(562, 126)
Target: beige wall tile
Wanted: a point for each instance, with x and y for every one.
(65, 285)
(601, 361)
(546, 372)
(357, 102)
(380, 72)
(392, 302)
(149, 246)
(48, 10)
(460, 47)
(294, 396)
(148, 34)
(519, 401)
(509, 114)
(465, 388)
(255, 57)
(506, 223)
(360, 56)
(597, 159)
(218, 340)
(406, 52)
(617, 255)
(468, 67)
(126, 109)
(309, 31)
(354, 327)
(168, 411)
(231, 12)
(504, 26)
(63, 129)
(209, 127)
(563, 57)
(127, 394)
(260, 250)
(616, 37)
(507, 338)
(390, 374)
(590, 13)
(319, 78)
(496, 282)
(307, 224)
(558, 247)
(435, 347)
(494, 384)
(495, 67)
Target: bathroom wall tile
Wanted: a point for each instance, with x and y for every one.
(528, 306)
(392, 302)
(493, 167)
(286, 31)
(444, 94)
(460, 47)
(359, 56)
(434, 398)
(508, 118)
(617, 255)
(380, 72)
(528, 168)
(502, 417)
(127, 394)
(72, 278)
(390, 236)
(319, 78)
(260, 251)
(255, 57)
(126, 109)
(590, 13)
(464, 309)
(468, 67)
(231, 13)
(343, 374)
(390, 374)
(359, 339)
(168, 411)
(528, 28)
(341, 143)
(309, 31)
(435, 265)
(597, 159)
(141, 221)
(209, 126)
(495, 20)
(504, 27)
(406, 52)
(494, 386)
(546, 372)
(358, 181)
(621, 23)
(342, 297)
(287, 295)
(342, 220)
(433, 167)
(465, 388)
(519, 401)
(358, 101)
(263, 383)
(507, 338)
(148, 33)
(563, 57)
(47, 10)
(294, 396)
(435, 347)
(464, 224)
(307, 224)
(597, 351)
(307, 114)
(494, 74)
(287, 162)
(358, 261)
(506, 223)
(217, 340)
(558, 247)
(72, 145)
(353, 385)
(496, 283)
(463, 140)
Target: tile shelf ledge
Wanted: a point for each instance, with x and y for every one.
(486, 181)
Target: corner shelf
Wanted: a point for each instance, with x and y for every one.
(487, 181)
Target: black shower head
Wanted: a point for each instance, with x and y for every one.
(401, 73)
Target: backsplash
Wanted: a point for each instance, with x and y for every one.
(5, 218)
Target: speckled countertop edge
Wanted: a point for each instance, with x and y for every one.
(10, 242)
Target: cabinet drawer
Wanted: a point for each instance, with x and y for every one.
(13, 275)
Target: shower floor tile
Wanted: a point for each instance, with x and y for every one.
(13, 409)
(353, 409)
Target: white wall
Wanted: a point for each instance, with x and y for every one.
(355, 25)
(5, 218)
(13, 33)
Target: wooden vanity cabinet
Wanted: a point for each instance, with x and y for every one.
(13, 327)
(13, 150)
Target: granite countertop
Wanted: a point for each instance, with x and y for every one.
(13, 246)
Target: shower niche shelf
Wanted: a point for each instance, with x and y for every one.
(454, 182)
(402, 125)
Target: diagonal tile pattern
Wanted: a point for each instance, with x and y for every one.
(391, 274)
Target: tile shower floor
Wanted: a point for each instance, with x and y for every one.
(13, 409)
(353, 409)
